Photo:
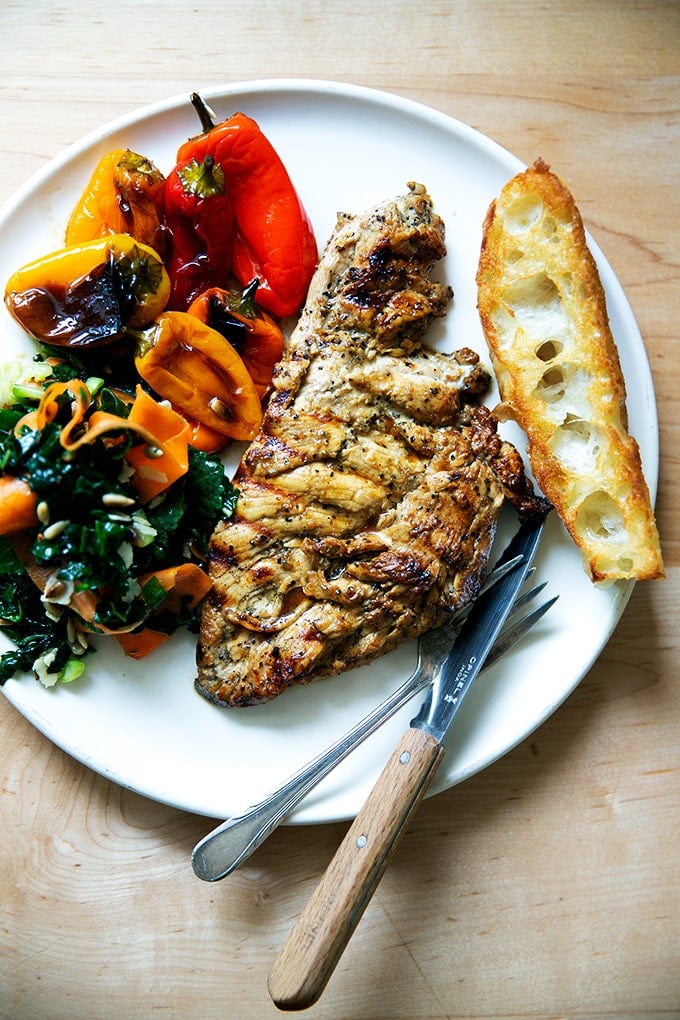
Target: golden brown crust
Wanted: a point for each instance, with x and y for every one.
(543, 311)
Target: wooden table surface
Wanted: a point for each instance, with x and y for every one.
(549, 884)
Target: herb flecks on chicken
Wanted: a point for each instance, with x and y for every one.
(369, 499)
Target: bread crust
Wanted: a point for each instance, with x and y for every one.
(543, 311)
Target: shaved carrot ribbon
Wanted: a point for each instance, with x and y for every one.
(158, 462)
(17, 505)
(161, 460)
(184, 584)
(170, 437)
(48, 408)
(99, 422)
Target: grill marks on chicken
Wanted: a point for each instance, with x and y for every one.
(369, 499)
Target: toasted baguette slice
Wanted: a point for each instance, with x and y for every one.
(543, 311)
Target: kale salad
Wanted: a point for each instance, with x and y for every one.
(98, 533)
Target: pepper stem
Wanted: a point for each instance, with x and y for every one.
(202, 178)
(246, 304)
(204, 114)
(145, 338)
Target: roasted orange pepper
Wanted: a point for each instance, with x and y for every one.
(204, 438)
(193, 367)
(123, 196)
(89, 294)
(274, 239)
(253, 333)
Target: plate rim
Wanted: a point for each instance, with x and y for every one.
(318, 88)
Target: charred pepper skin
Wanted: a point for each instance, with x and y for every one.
(252, 332)
(274, 239)
(123, 196)
(199, 218)
(88, 295)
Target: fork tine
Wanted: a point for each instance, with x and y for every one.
(226, 847)
(447, 632)
(512, 632)
(523, 600)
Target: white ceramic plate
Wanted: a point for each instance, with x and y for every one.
(141, 724)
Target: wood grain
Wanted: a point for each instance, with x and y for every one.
(549, 884)
(311, 952)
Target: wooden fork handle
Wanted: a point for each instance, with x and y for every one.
(309, 956)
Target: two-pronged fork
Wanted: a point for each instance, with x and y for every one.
(231, 843)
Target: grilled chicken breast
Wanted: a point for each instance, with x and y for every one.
(369, 499)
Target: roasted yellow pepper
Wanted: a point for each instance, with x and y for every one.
(123, 196)
(87, 295)
(200, 374)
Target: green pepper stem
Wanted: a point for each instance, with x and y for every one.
(204, 114)
(246, 303)
(144, 338)
(203, 178)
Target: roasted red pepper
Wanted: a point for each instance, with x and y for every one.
(200, 374)
(252, 332)
(199, 217)
(274, 239)
(123, 196)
